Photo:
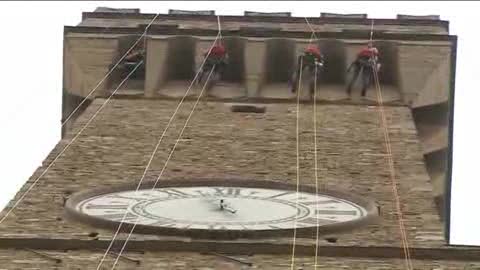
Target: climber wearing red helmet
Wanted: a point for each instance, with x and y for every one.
(311, 59)
(218, 50)
(133, 62)
(217, 57)
(314, 51)
(367, 59)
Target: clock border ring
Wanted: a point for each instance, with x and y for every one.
(303, 232)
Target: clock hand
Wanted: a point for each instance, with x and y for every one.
(224, 206)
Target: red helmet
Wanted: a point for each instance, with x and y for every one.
(313, 49)
(218, 50)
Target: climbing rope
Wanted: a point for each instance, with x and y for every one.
(316, 161)
(298, 164)
(166, 163)
(391, 167)
(70, 143)
(312, 36)
(317, 207)
(64, 122)
(156, 149)
(390, 161)
(33, 184)
(154, 152)
(219, 26)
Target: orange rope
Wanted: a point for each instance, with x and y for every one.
(390, 162)
(316, 161)
(313, 35)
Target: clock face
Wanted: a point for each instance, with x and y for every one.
(220, 208)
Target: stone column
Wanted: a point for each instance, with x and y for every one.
(155, 66)
(255, 64)
(89, 61)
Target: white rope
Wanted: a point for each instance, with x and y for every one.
(316, 161)
(311, 29)
(166, 163)
(73, 112)
(123, 13)
(68, 145)
(311, 38)
(315, 151)
(144, 35)
(155, 150)
(313, 35)
(219, 27)
(390, 161)
(371, 31)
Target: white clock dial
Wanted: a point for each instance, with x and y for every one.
(221, 208)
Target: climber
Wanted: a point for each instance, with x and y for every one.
(312, 61)
(130, 62)
(217, 58)
(135, 55)
(367, 60)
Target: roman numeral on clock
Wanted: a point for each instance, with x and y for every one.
(229, 191)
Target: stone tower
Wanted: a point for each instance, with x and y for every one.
(108, 142)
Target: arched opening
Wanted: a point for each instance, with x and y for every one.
(279, 65)
(130, 69)
(388, 58)
(331, 83)
(235, 71)
(280, 60)
(181, 58)
(232, 80)
(179, 66)
(387, 75)
(334, 54)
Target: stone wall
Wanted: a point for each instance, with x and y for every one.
(424, 74)
(116, 146)
(83, 259)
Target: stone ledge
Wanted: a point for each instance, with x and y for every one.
(248, 108)
(239, 247)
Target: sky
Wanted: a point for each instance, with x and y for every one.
(31, 82)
